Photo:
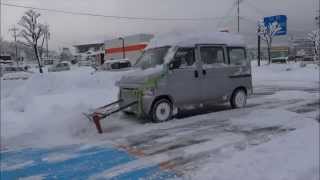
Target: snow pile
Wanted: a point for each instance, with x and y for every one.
(286, 75)
(47, 108)
(16, 76)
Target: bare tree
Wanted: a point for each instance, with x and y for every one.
(32, 31)
(314, 36)
(47, 37)
(267, 33)
(46, 34)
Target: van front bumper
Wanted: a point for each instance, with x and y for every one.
(129, 95)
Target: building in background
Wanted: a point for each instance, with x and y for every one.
(89, 54)
(280, 54)
(129, 47)
(303, 48)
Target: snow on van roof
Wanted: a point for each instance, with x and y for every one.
(190, 39)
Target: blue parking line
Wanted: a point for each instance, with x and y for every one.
(153, 172)
(78, 163)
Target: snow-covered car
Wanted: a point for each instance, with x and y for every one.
(62, 66)
(307, 58)
(191, 70)
(14, 72)
(84, 63)
(10, 69)
(119, 64)
(279, 60)
(279, 57)
(6, 60)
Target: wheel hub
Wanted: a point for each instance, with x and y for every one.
(163, 111)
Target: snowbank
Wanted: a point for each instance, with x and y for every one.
(16, 76)
(291, 75)
(47, 107)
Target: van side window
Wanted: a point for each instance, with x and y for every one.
(237, 55)
(185, 56)
(212, 55)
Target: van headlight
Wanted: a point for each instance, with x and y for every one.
(149, 92)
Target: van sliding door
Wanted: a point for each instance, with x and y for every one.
(214, 73)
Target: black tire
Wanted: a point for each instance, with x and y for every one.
(162, 107)
(234, 101)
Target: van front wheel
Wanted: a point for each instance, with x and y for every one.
(238, 98)
(161, 111)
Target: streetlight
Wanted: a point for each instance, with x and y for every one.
(123, 48)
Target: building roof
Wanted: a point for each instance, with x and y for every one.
(190, 39)
(128, 40)
(86, 47)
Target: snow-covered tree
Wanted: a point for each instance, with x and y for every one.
(32, 31)
(45, 37)
(314, 36)
(267, 33)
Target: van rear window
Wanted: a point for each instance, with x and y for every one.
(237, 55)
(212, 54)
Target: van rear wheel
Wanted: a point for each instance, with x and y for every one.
(161, 111)
(238, 98)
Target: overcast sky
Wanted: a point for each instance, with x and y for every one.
(67, 30)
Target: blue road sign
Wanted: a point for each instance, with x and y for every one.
(281, 20)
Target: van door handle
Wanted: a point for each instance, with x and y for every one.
(196, 74)
(204, 72)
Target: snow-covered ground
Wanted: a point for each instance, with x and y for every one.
(275, 137)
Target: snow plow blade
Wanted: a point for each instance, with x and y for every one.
(102, 112)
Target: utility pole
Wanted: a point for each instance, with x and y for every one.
(238, 11)
(47, 36)
(259, 43)
(317, 18)
(14, 30)
(0, 28)
(123, 48)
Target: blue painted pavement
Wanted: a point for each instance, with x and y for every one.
(72, 162)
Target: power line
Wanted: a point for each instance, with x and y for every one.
(258, 10)
(227, 15)
(112, 16)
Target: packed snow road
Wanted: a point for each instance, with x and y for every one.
(276, 136)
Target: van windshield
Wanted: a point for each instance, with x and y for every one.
(152, 57)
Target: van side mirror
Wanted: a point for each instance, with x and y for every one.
(175, 64)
